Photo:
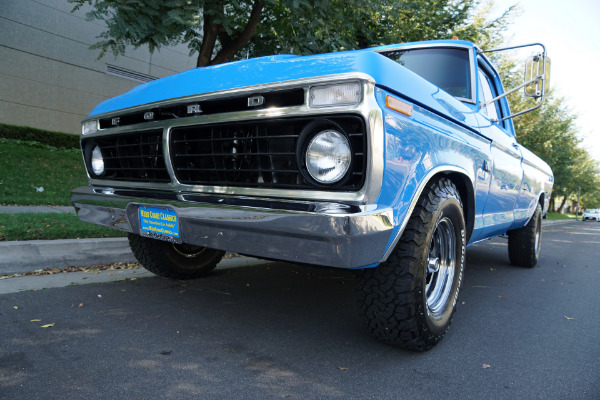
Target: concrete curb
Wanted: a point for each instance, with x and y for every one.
(26, 256)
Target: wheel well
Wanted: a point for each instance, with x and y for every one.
(542, 200)
(467, 195)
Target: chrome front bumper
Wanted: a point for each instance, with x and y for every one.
(303, 232)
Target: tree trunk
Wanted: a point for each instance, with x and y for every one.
(561, 209)
(230, 45)
(210, 33)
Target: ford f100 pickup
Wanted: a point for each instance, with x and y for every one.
(389, 160)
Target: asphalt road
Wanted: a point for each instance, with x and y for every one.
(279, 331)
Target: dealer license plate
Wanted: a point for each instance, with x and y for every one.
(159, 223)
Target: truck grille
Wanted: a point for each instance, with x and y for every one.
(256, 154)
(136, 157)
(260, 154)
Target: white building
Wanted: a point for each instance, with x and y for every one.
(50, 79)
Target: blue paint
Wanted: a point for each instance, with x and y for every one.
(257, 71)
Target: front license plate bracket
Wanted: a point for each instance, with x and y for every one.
(159, 223)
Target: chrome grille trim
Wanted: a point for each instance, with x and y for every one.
(368, 109)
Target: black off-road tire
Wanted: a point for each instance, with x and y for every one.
(174, 261)
(396, 299)
(524, 244)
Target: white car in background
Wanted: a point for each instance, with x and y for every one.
(591, 214)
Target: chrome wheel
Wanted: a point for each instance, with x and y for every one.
(441, 265)
(188, 250)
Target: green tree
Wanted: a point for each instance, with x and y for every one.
(215, 29)
(551, 132)
(353, 24)
(223, 30)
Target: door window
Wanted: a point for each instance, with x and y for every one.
(488, 93)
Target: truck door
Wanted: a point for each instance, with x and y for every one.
(507, 171)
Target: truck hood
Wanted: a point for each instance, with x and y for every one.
(264, 70)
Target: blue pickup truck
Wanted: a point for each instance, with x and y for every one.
(390, 161)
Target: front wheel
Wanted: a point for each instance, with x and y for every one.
(174, 261)
(410, 299)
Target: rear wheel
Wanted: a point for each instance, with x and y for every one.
(174, 261)
(524, 244)
(410, 299)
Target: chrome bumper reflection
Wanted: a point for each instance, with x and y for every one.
(322, 234)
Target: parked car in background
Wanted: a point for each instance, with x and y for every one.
(591, 215)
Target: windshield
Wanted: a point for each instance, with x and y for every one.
(447, 68)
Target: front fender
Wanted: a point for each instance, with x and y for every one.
(423, 147)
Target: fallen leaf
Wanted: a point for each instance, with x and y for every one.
(16, 308)
(501, 297)
(343, 368)
(486, 366)
(52, 271)
(492, 269)
(216, 291)
(36, 320)
(80, 305)
(47, 325)
(569, 318)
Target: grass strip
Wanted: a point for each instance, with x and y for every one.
(555, 215)
(31, 174)
(50, 226)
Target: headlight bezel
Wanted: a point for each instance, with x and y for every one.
(92, 147)
(307, 137)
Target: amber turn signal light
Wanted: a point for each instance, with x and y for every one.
(399, 105)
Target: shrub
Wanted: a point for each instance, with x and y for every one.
(59, 140)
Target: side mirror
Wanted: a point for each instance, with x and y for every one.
(537, 76)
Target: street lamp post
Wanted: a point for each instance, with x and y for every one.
(578, 197)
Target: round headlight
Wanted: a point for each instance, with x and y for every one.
(97, 161)
(328, 156)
